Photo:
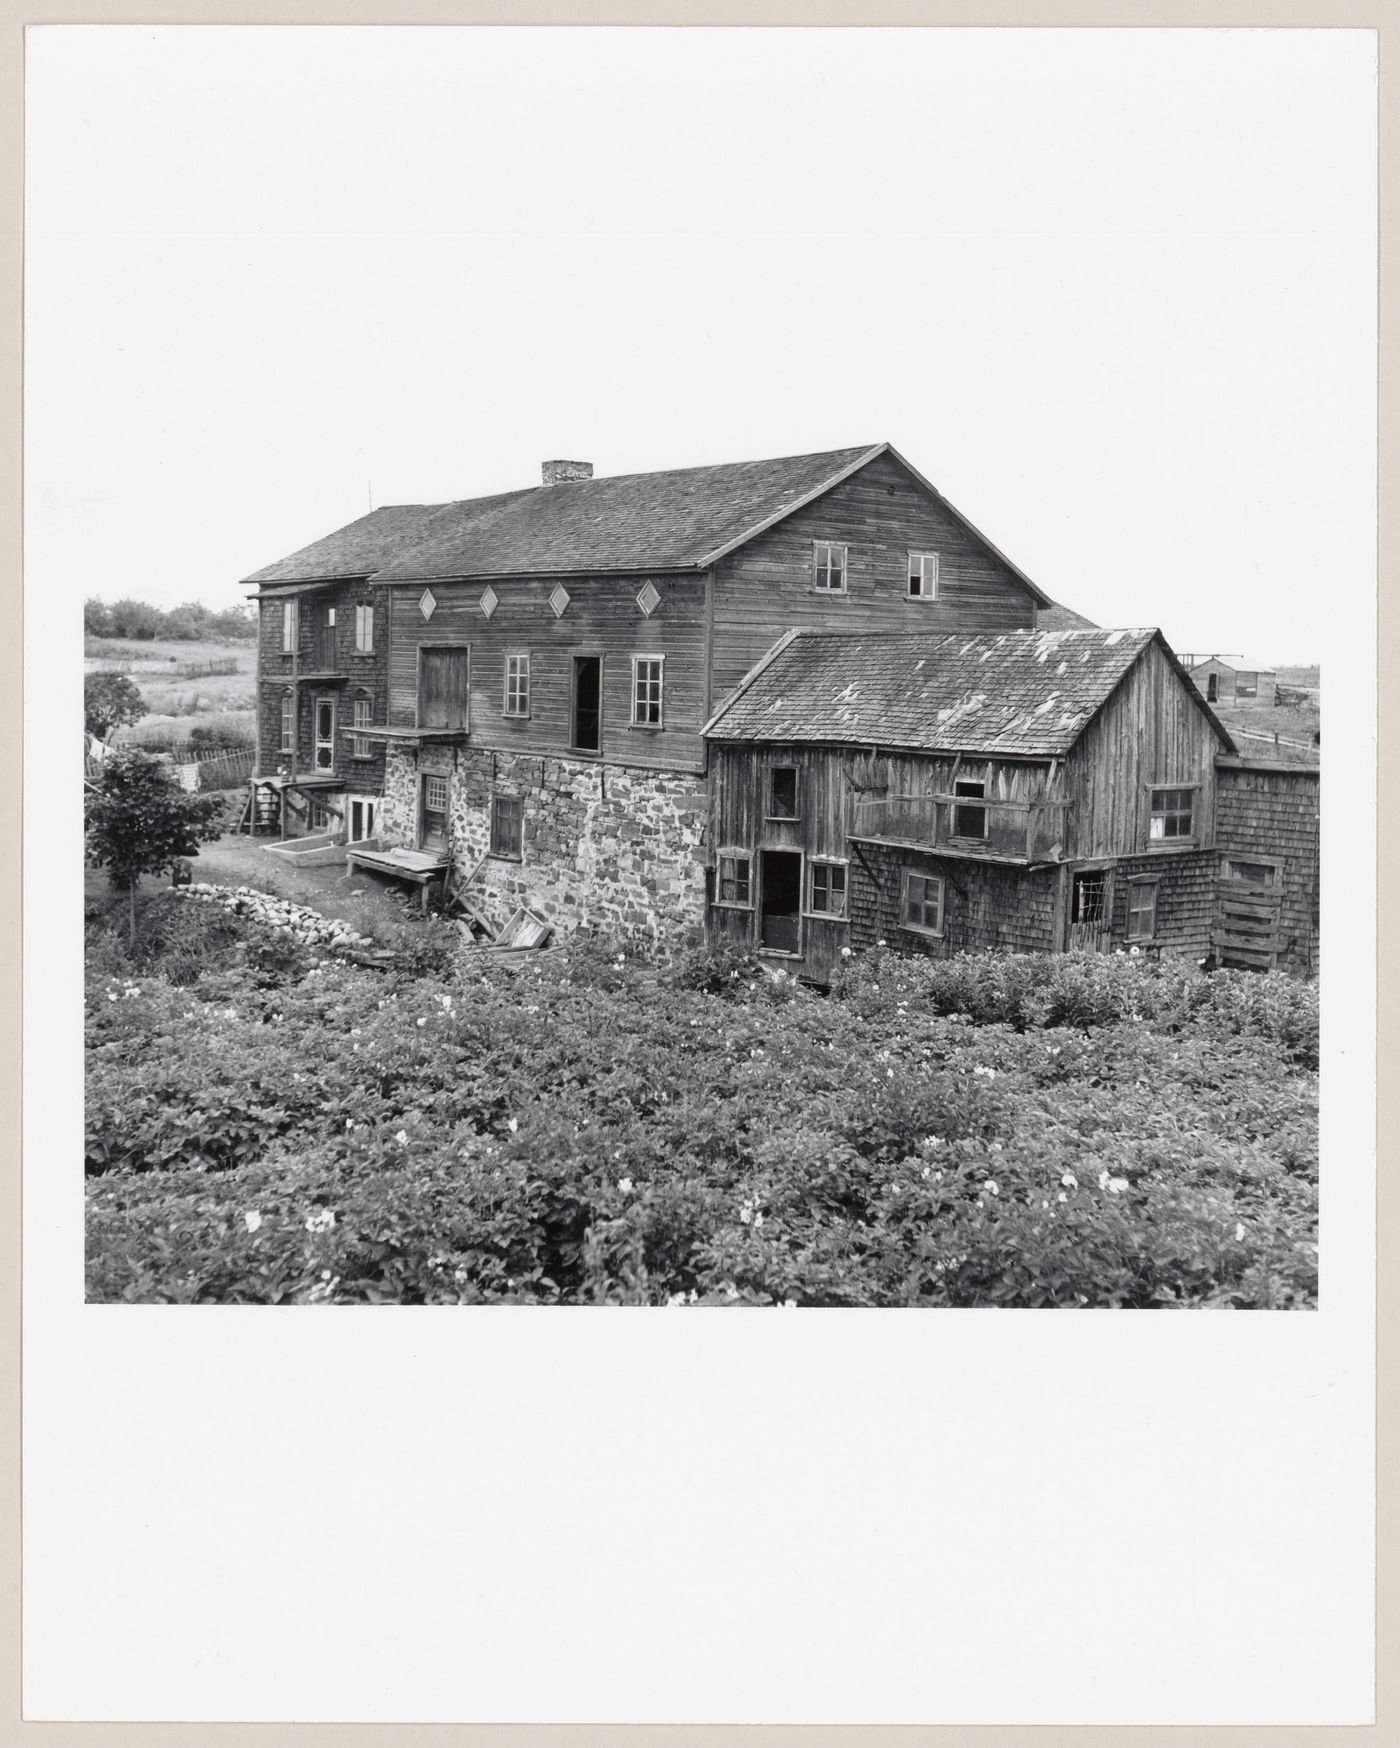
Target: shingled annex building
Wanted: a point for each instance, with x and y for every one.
(800, 703)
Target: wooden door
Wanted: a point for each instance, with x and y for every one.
(433, 812)
(780, 902)
(325, 732)
(443, 677)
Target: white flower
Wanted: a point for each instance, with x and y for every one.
(990, 1186)
(1103, 1180)
(1061, 1197)
(1070, 1181)
(758, 1221)
(402, 1137)
(845, 952)
(746, 1212)
(1239, 1231)
(252, 1221)
(624, 1186)
(513, 1125)
(1116, 1186)
(321, 1221)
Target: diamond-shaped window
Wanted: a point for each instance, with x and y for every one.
(559, 600)
(489, 600)
(647, 598)
(427, 601)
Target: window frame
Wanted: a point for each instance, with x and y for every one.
(818, 566)
(811, 908)
(495, 848)
(291, 625)
(359, 747)
(323, 743)
(364, 628)
(1272, 863)
(1176, 840)
(1139, 883)
(970, 795)
(634, 720)
(287, 721)
(734, 853)
(924, 559)
(1104, 870)
(772, 813)
(516, 713)
(908, 874)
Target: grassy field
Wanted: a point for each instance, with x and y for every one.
(270, 1122)
(1254, 728)
(177, 702)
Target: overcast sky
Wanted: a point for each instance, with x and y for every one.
(1111, 291)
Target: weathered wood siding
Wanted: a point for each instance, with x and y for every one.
(602, 618)
(880, 514)
(1271, 813)
(1151, 732)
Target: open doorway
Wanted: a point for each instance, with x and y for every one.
(780, 903)
(588, 703)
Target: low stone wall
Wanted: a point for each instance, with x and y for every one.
(606, 848)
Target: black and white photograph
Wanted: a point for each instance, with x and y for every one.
(703, 660)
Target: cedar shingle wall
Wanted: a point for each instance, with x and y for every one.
(365, 673)
(1273, 815)
(984, 905)
(1185, 900)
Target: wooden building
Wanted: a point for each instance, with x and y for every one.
(1219, 683)
(1023, 790)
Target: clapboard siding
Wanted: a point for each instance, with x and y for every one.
(880, 514)
(1152, 731)
(602, 618)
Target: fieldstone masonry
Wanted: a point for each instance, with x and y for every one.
(604, 847)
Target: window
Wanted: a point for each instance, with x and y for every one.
(435, 794)
(1246, 685)
(1171, 814)
(507, 826)
(517, 685)
(289, 627)
(1251, 873)
(1212, 688)
(782, 792)
(970, 822)
(827, 896)
(922, 909)
(1142, 910)
(361, 707)
(830, 567)
(923, 576)
(1090, 896)
(325, 732)
(364, 629)
(735, 879)
(646, 691)
(286, 743)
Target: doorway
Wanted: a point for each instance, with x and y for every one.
(434, 795)
(325, 732)
(361, 819)
(780, 904)
(588, 703)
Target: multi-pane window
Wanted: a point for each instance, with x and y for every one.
(507, 826)
(646, 691)
(830, 567)
(286, 743)
(782, 792)
(735, 879)
(969, 822)
(435, 794)
(364, 628)
(289, 627)
(828, 888)
(361, 708)
(1170, 814)
(517, 685)
(1142, 910)
(923, 575)
(922, 908)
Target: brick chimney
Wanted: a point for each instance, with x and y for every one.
(563, 473)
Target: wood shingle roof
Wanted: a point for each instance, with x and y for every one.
(1028, 693)
(357, 550)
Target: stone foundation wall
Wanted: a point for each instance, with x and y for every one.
(606, 848)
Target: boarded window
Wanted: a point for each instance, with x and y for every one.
(970, 822)
(364, 628)
(1171, 814)
(288, 718)
(361, 712)
(646, 691)
(507, 826)
(923, 576)
(289, 627)
(828, 888)
(1251, 873)
(1090, 896)
(735, 879)
(782, 792)
(830, 567)
(517, 685)
(922, 907)
(442, 687)
(1142, 910)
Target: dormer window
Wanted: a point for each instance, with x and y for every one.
(923, 576)
(829, 561)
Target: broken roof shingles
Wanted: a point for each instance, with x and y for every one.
(629, 522)
(1028, 692)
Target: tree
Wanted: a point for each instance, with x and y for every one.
(110, 701)
(97, 618)
(140, 821)
(136, 619)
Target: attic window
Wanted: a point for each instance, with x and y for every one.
(829, 562)
(923, 576)
(782, 792)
